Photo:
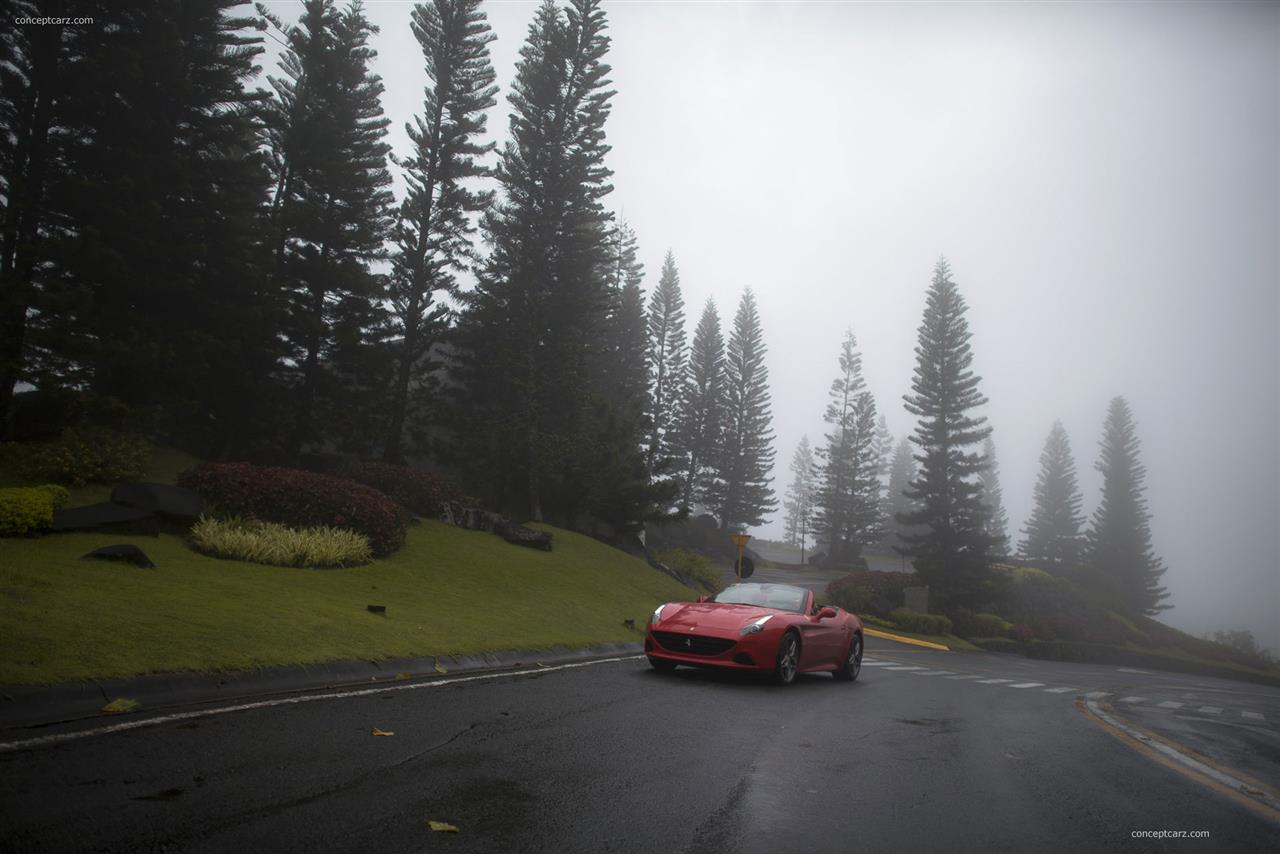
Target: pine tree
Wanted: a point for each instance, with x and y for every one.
(1118, 548)
(902, 471)
(332, 205)
(627, 338)
(529, 336)
(993, 497)
(699, 432)
(848, 500)
(433, 235)
(952, 550)
(742, 495)
(883, 449)
(667, 356)
(1053, 533)
(800, 497)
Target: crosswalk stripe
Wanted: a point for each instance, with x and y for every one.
(963, 676)
(1028, 685)
(866, 663)
(1058, 690)
(933, 672)
(1253, 716)
(905, 667)
(1098, 695)
(1170, 704)
(866, 659)
(1210, 710)
(993, 681)
(1133, 699)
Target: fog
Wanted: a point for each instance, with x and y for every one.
(1104, 180)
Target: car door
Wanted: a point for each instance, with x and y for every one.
(821, 638)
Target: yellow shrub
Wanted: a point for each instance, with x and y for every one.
(276, 545)
(28, 510)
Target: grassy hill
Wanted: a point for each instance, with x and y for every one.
(447, 591)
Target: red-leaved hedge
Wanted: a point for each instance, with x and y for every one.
(300, 499)
(419, 491)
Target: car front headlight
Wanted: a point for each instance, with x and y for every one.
(657, 615)
(755, 626)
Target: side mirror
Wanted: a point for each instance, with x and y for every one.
(702, 598)
(826, 613)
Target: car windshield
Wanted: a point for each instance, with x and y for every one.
(782, 597)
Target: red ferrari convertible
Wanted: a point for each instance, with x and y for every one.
(774, 628)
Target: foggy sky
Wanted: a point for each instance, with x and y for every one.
(1104, 180)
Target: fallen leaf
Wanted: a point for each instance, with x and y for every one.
(442, 827)
(121, 705)
(440, 667)
(404, 675)
(377, 731)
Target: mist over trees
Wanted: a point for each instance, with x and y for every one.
(223, 266)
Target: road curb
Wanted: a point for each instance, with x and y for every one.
(876, 633)
(35, 706)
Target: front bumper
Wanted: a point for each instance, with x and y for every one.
(757, 651)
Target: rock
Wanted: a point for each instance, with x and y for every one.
(124, 551)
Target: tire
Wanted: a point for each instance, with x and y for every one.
(788, 663)
(852, 665)
(661, 665)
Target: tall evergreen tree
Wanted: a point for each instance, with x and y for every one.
(1053, 533)
(883, 449)
(627, 334)
(902, 470)
(434, 228)
(742, 495)
(801, 495)
(529, 337)
(699, 433)
(1118, 548)
(667, 356)
(848, 500)
(993, 497)
(952, 549)
(333, 202)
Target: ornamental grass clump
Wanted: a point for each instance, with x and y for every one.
(28, 510)
(276, 545)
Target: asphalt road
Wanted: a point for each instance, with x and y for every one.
(616, 757)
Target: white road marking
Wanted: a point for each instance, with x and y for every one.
(963, 676)
(993, 681)
(866, 663)
(1131, 670)
(1133, 699)
(1059, 690)
(6, 746)
(1210, 710)
(1253, 716)
(934, 672)
(1028, 685)
(1097, 695)
(1170, 704)
(905, 667)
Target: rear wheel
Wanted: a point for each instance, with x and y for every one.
(852, 665)
(662, 664)
(788, 659)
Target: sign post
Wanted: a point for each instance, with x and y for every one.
(739, 540)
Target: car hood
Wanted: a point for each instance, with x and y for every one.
(711, 615)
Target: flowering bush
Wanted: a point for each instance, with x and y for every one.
(925, 624)
(418, 491)
(856, 591)
(29, 510)
(300, 499)
(85, 455)
(1021, 633)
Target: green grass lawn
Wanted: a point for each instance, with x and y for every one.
(447, 591)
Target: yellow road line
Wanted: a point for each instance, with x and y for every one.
(876, 633)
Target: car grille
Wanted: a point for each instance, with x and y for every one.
(692, 644)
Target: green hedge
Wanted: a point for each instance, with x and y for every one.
(83, 455)
(693, 566)
(925, 624)
(29, 509)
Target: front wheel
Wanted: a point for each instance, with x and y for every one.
(852, 665)
(788, 659)
(661, 665)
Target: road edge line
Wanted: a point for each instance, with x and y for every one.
(1242, 791)
(876, 633)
